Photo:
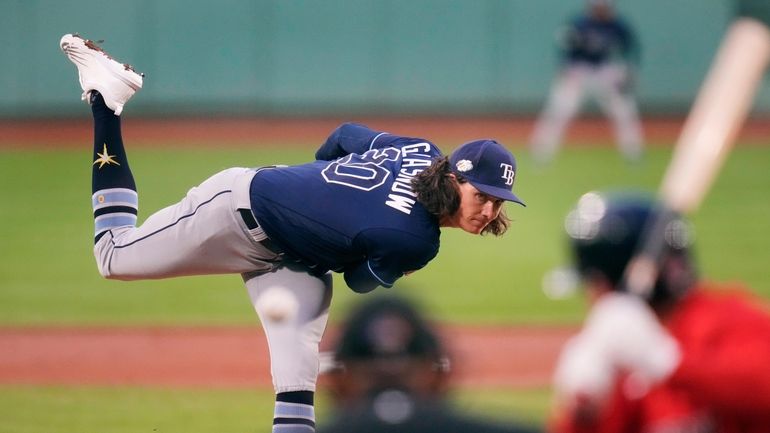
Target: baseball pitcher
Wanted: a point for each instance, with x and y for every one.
(370, 206)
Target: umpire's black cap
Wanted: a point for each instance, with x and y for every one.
(386, 327)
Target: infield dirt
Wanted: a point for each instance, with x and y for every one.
(237, 357)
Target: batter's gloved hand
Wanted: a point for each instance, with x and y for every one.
(621, 335)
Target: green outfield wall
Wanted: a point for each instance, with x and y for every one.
(332, 57)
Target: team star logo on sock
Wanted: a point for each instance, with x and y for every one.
(104, 158)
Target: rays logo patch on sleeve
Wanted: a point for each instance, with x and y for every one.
(105, 158)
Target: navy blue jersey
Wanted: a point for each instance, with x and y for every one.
(353, 209)
(595, 41)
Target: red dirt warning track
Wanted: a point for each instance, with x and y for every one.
(213, 131)
(228, 357)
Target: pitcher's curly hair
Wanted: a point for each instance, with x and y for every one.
(438, 192)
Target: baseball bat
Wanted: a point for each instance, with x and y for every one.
(709, 132)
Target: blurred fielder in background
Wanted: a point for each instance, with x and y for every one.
(599, 52)
(370, 206)
(692, 358)
(392, 375)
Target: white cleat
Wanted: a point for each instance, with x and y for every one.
(117, 82)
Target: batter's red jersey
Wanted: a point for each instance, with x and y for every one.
(722, 384)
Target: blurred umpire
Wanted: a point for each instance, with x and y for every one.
(391, 376)
(691, 357)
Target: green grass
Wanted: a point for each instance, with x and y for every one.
(522, 405)
(29, 409)
(48, 276)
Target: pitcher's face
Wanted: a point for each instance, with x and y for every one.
(476, 210)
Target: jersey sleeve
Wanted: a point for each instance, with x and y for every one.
(361, 279)
(389, 255)
(346, 139)
(567, 41)
(732, 362)
(631, 50)
(354, 138)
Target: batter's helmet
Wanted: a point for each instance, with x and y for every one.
(605, 230)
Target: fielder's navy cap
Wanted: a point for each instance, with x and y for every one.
(488, 166)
